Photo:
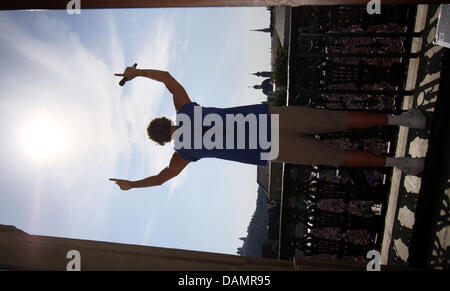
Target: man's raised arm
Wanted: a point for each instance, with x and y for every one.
(180, 97)
(176, 165)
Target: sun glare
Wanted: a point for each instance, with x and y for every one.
(43, 138)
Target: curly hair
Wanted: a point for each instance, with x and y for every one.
(158, 130)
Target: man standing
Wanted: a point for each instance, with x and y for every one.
(276, 133)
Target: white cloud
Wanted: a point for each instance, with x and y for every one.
(115, 55)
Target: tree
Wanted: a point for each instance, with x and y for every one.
(280, 68)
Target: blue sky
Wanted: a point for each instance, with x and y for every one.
(67, 126)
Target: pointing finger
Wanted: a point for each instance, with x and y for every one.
(119, 75)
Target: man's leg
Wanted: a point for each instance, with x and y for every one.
(358, 119)
(298, 149)
(409, 166)
(355, 158)
(300, 119)
(413, 118)
(305, 120)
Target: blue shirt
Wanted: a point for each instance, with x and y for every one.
(249, 154)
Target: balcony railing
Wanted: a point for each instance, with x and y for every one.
(341, 58)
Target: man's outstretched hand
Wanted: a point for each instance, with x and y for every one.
(130, 73)
(123, 184)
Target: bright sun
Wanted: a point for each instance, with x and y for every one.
(43, 138)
